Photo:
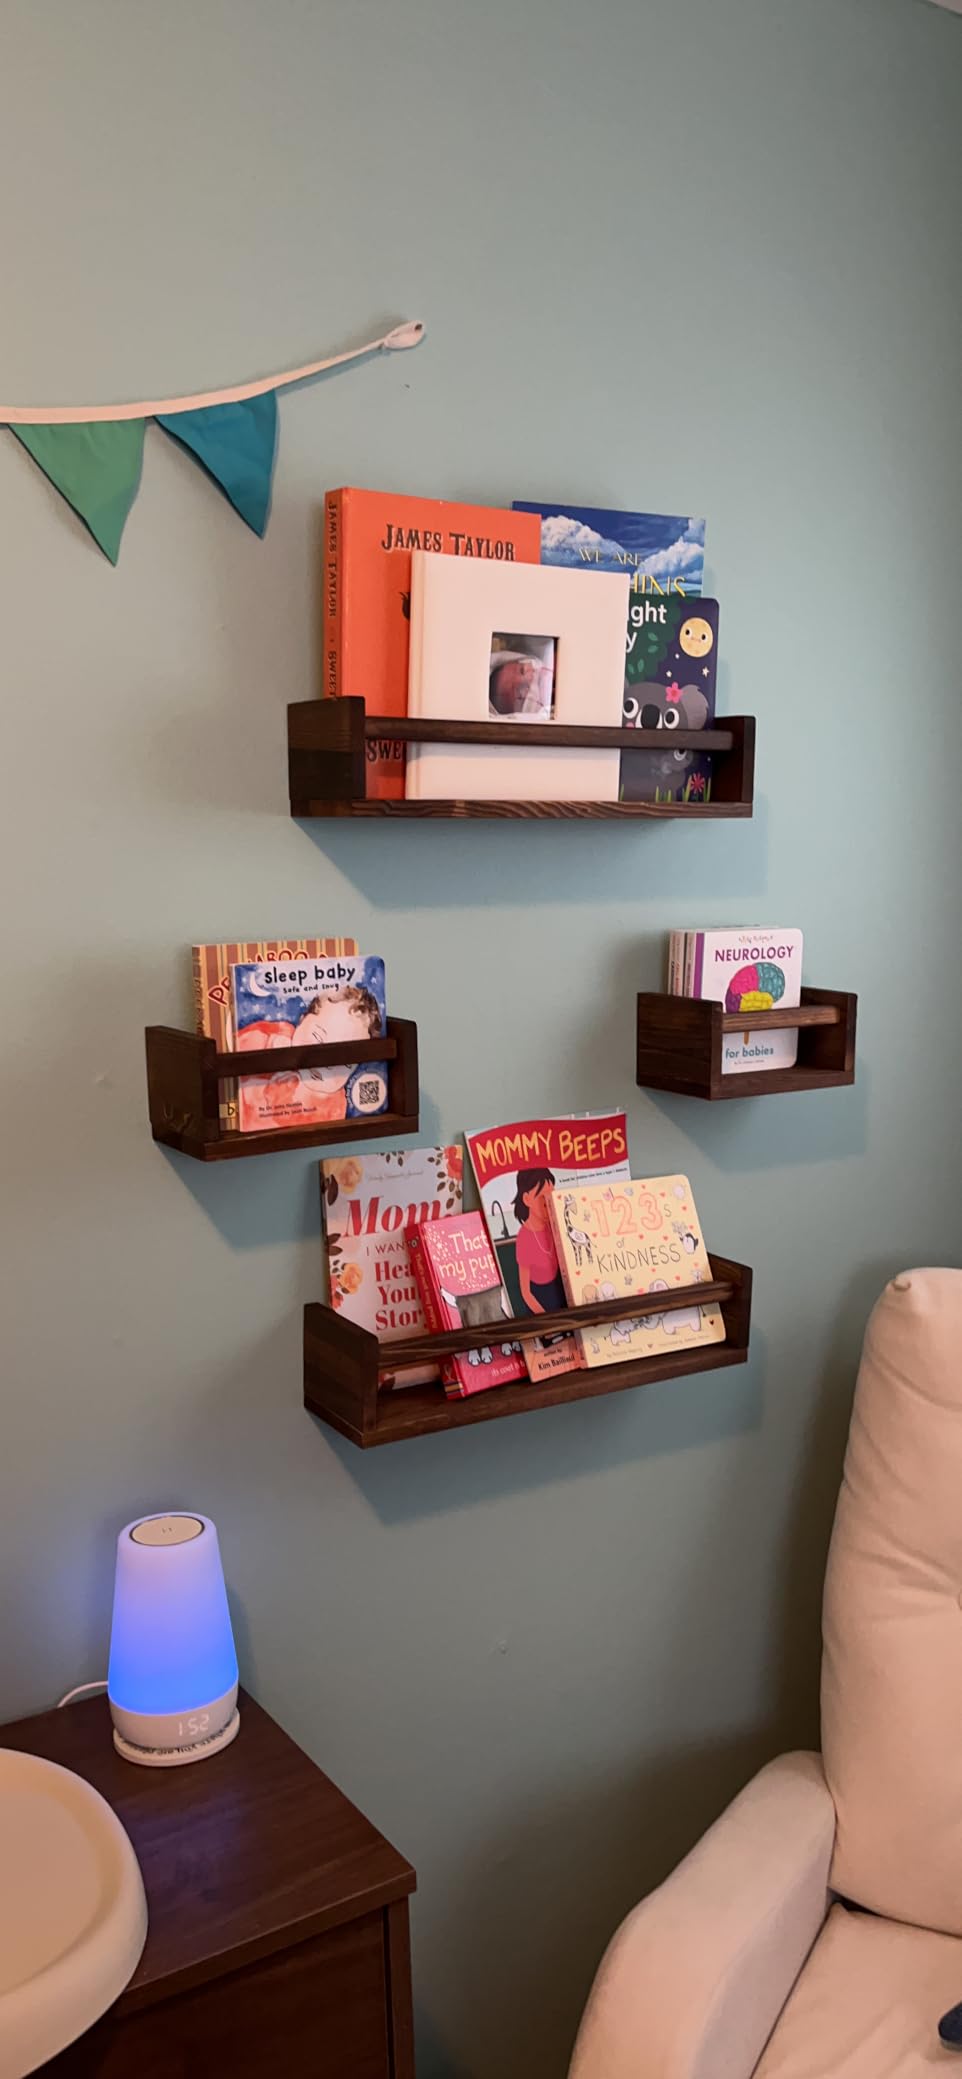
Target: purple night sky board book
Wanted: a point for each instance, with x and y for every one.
(671, 640)
(670, 663)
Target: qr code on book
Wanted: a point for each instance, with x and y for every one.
(369, 1093)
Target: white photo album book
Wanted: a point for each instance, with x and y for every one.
(521, 643)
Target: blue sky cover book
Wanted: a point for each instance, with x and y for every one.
(664, 551)
(671, 640)
(302, 1004)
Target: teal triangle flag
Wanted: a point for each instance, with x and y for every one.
(236, 444)
(95, 467)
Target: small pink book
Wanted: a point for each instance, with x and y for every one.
(460, 1287)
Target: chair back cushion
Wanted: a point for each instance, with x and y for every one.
(892, 1619)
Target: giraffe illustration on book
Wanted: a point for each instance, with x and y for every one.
(580, 1242)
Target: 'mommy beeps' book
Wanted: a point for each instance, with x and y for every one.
(516, 1169)
(616, 1240)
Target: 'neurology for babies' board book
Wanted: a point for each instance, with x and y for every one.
(303, 1003)
(642, 1236)
(755, 967)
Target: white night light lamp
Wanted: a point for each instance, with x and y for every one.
(172, 1678)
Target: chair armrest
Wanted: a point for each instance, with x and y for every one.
(694, 1980)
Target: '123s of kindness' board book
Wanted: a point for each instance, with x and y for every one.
(368, 540)
(213, 1011)
(638, 1237)
(516, 1169)
(671, 643)
(370, 1203)
(305, 1004)
(461, 1288)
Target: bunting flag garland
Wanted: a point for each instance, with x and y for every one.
(93, 454)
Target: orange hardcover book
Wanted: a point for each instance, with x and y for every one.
(368, 539)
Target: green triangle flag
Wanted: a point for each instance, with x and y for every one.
(95, 467)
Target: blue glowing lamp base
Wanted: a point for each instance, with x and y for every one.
(172, 1678)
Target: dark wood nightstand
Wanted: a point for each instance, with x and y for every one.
(278, 1939)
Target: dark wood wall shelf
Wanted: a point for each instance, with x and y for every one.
(680, 1045)
(342, 1362)
(327, 764)
(184, 1071)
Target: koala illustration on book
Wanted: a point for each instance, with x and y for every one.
(649, 705)
(580, 1242)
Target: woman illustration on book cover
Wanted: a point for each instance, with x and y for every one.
(539, 1272)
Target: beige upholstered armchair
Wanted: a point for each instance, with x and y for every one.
(816, 1930)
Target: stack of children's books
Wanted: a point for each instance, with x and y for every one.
(478, 612)
(264, 994)
(562, 1224)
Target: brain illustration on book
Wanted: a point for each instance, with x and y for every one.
(755, 988)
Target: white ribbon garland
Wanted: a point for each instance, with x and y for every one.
(409, 334)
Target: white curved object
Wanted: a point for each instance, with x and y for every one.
(73, 1915)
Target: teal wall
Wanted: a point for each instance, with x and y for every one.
(699, 255)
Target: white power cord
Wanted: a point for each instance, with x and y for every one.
(82, 1689)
